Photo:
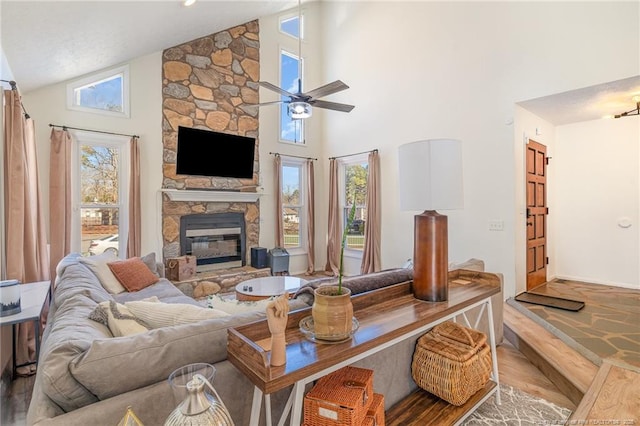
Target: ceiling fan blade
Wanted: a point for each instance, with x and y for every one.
(332, 105)
(275, 88)
(327, 89)
(270, 103)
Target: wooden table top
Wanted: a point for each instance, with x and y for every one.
(384, 315)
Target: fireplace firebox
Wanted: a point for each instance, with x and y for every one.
(217, 240)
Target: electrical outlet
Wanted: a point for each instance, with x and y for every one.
(496, 225)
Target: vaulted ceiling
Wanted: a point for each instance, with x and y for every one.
(46, 42)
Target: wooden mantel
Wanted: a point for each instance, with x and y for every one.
(211, 196)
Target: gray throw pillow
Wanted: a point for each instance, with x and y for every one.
(150, 261)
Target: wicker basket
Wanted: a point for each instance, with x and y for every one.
(452, 362)
(341, 398)
(375, 414)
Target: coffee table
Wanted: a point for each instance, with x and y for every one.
(265, 287)
(33, 296)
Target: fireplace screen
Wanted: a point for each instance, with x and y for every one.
(213, 240)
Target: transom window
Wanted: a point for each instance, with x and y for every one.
(106, 93)
(354, 189)
(293, 214)
(291, 26)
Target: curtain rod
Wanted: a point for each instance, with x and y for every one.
(90, 130)
(13, 84)
(351, 155)
(294, 156)
(14, 87)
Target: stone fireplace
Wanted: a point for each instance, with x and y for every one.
(211, 83)
(217, 240)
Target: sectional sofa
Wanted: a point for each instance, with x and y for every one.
(88, 376)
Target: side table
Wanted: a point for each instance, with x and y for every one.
(32, 298)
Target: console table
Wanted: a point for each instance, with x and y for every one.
(387, 316)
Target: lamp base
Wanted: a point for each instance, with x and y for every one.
(430, 257)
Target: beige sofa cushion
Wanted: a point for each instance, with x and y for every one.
(98, 265)
(118, 318)
(157, 314)
(147, 358)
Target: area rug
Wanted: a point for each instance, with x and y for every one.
(517, 408)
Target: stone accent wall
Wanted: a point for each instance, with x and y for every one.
(210, 83)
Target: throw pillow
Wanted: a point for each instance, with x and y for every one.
(118, 318)
(150, 261)
(233, 306)
(133, 274)
(157, 315)
(98, 265)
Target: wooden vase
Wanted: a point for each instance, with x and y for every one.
(332, 313)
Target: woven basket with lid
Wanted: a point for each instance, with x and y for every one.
(452, 362)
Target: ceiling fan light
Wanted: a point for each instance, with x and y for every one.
(189, 2)
(298, 110)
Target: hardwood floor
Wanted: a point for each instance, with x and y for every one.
(515, 370)
(16, 401)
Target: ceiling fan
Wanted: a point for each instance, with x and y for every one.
(300, 103)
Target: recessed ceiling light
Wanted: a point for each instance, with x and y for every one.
(189, 2)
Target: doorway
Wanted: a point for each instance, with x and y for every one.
(537, 211)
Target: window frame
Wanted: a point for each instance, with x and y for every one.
(96, 78)
(80, 138)
(302, 225)
(283, 111)
(343, 163)
(292, 15)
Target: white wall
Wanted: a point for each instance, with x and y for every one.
(426, 70)
(48, 105)
(597, 188)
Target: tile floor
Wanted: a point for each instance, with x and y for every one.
(607, 327)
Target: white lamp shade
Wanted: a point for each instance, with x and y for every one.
(430, 175)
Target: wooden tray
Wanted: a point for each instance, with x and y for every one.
(384, 315)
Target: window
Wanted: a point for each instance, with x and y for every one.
(354, 189)
(104, 93)
(290, 130)
(291, 25)
(100, 194)
(293, 214)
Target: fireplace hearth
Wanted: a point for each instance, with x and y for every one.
(217, 240)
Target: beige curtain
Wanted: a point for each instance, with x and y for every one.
(279, 218)
(59, 197)
(26, 241)
(135, 215)
(371, 258)
(310, 205)
(333, 230)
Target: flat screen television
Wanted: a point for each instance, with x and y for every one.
(207, 153)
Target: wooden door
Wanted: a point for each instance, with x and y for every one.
(536, 214)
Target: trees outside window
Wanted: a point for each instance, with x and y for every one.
(100, 182)
(354, 190)
(293, 215)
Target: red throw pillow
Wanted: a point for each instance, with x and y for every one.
(133, 274)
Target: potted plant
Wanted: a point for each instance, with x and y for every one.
(332, 309)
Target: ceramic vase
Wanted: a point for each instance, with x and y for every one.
(332, 313)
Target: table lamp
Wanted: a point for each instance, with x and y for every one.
(430, 177)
